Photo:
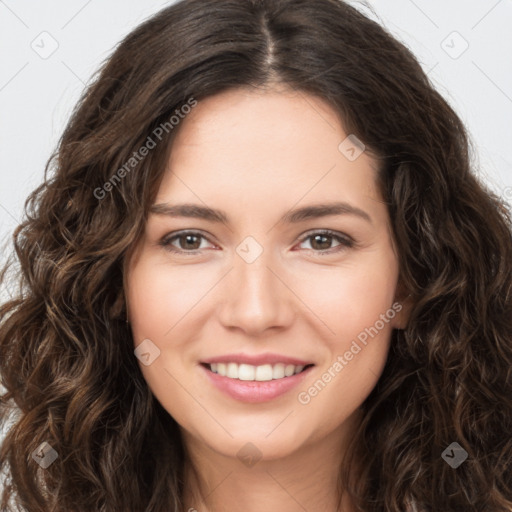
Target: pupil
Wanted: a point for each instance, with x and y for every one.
(188, 239)
(324, 237)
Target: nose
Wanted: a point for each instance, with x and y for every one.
(256, 297)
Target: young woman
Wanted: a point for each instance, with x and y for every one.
(261, 274)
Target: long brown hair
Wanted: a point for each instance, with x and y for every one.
(67, 360)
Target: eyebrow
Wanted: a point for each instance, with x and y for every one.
(293, 216)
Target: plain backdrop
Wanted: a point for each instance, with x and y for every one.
(50, 49)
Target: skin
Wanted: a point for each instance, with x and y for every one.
(256, 155)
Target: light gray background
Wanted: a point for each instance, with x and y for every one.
(39, 90)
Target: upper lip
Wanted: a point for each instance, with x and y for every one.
(257, 360)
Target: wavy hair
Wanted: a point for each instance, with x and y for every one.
(67, 363)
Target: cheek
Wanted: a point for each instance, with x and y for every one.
(356, 305)
(157, 300)
(159, 297)
(352, 297)
(162, 302)
(358, 308)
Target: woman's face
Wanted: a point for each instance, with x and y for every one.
(263, 287)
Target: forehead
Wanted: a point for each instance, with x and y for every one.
(252, 123)
(248, 144)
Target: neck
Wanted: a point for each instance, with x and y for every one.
(306, 479)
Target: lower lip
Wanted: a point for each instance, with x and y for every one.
(255, 391)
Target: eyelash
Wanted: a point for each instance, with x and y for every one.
(345, 242)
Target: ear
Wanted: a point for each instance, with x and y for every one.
(402, 305)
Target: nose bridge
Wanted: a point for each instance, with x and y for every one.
(255, 298)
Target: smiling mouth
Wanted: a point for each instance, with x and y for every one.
(248, 372)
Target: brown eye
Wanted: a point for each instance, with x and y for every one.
(321, 242)
(187, 241)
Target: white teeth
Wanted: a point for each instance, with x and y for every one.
(243, 372)
(232, 371)
(288, 370)
(255, 373)
(264, 372)
(278, 371)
